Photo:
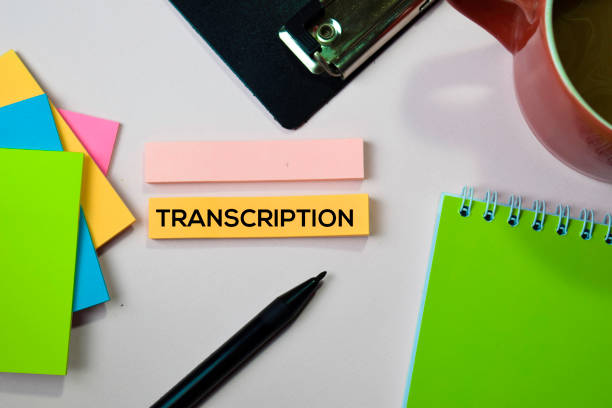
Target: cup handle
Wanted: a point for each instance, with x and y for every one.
(506, 20)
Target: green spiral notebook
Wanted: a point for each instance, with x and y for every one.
(517, 310)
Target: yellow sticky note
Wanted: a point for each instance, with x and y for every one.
(105, 212)
(259, 217)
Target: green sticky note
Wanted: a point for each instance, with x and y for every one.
(514, 317)
(39, 214)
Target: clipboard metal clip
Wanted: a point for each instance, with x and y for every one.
(335, 37)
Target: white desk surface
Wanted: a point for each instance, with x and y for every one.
(437, 111)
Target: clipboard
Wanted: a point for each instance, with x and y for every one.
(292, 54)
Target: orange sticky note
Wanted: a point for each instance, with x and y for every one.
(258, 160)
(259, 217)
(105, 212)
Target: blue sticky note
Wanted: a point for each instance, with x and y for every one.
(29, 125)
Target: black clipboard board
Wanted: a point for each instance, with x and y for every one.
(245, 35)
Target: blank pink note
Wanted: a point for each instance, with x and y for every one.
(274, 160)
(97, 135)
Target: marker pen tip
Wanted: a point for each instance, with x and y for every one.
(320, 276)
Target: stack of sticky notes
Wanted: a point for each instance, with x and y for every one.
(56, 209)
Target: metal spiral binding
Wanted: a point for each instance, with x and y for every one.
(489, 214)
(466, 194)
(608, 220)
(563, 212)
(587, 217)
(539, 207)
(515, 204)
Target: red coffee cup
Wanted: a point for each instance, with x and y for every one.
(557, 114)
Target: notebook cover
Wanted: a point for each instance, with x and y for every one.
(513, 317)
(29, 125)
(38, 245)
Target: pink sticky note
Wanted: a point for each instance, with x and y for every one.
(97, 135)
(278, 160)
